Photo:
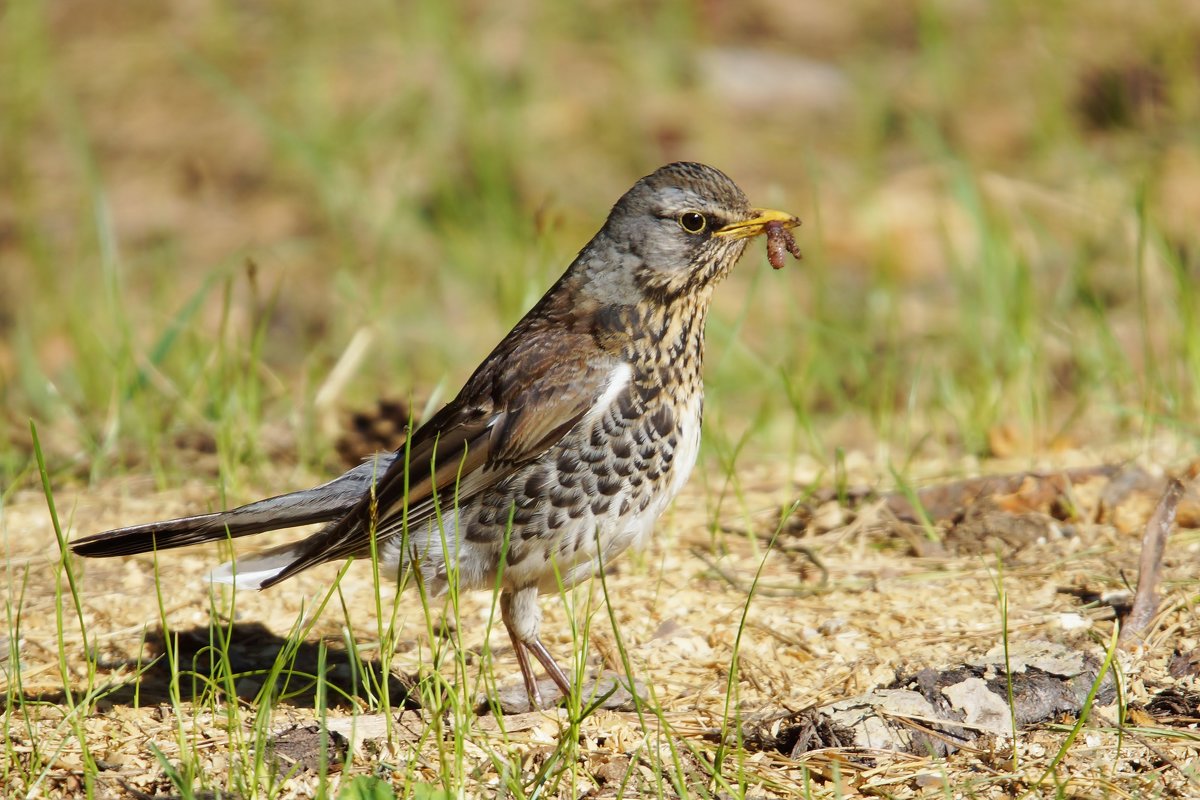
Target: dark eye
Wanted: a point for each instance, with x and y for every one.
(693, 222)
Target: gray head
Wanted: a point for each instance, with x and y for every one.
(676, 233)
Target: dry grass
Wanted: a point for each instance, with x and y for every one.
(872, 612)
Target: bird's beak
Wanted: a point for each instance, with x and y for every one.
(757, 224)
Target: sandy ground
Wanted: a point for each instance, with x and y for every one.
(848, 600)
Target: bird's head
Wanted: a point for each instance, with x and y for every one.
(676, 233)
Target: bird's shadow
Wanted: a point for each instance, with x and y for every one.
(249, 661)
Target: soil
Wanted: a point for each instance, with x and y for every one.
(849, 596)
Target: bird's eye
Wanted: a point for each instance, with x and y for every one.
(693, 222)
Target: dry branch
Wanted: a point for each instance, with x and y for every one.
(1154, 541)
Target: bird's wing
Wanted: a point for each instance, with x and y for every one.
(511, 412)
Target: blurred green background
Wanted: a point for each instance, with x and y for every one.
(203, 204)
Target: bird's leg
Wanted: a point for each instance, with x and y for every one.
(522, 617)
(531, 687)
(551, 666)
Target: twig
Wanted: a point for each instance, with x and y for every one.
(1144, 741)
(1154, 540)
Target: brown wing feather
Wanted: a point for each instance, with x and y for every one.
(432, 461)
(544, 404)
(511, 411)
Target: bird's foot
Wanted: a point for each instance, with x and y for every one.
(610, 690)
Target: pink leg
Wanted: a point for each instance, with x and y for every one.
(522, 623)
(531, 687)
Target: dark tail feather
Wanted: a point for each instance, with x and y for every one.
(320, 504)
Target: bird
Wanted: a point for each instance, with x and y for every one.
(563, 447)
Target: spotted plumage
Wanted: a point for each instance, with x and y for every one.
(561, 450)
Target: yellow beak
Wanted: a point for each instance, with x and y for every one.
(757, 224)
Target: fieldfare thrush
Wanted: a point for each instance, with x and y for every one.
(564, 446)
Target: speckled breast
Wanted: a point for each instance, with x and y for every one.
(605, 483)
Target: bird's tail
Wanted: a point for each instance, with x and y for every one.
(321, 504)
(257, 571)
